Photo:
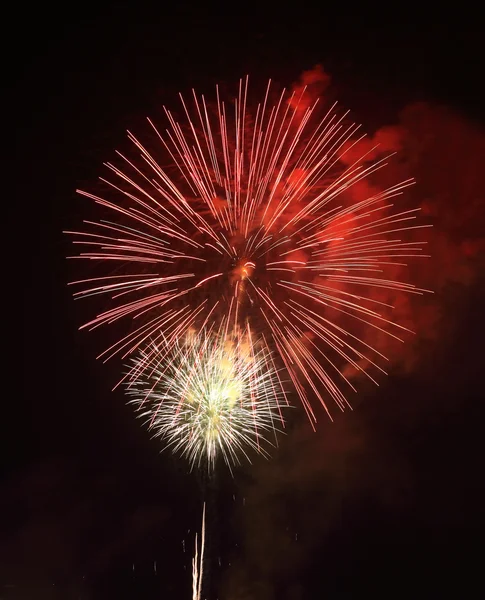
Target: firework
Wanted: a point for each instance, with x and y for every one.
(246, 215)
(208, 396)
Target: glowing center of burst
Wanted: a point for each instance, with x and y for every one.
(244, 269)
(223, 398)
(220, 401)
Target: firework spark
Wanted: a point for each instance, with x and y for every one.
(208, 396)
(253, 222)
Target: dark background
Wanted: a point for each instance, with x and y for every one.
(91, 509)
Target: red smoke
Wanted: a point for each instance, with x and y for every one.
(444, 153)
(309, 88)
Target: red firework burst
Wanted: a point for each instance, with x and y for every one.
(253, 226)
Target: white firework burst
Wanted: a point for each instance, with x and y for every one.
(211, 395)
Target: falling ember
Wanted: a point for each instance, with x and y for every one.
(261, 217)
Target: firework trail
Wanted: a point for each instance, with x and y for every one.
(245, 215)
(208, 395)
(198, 563)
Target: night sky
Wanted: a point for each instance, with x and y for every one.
(389, 499)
